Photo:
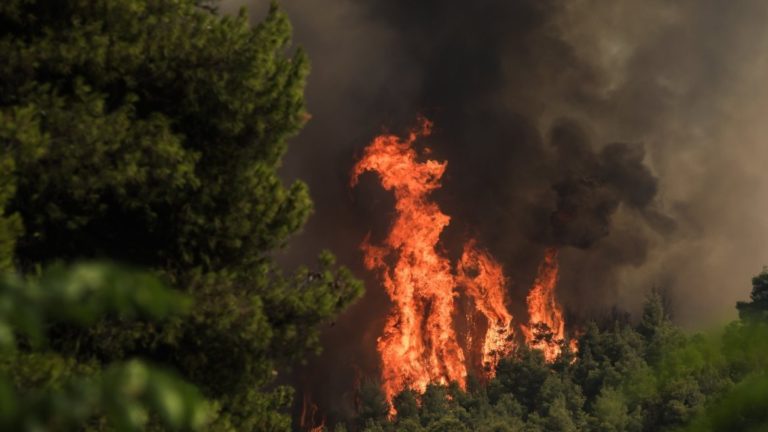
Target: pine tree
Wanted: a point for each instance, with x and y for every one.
(150, 132)
(373, 405)
(407, 405)
(41, 390)
(757, 308)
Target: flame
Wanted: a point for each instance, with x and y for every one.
(308, 413)
(484, 281)
(546, 329)
(419, 343)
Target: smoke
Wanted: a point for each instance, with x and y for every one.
(592, 185)
(630, 133)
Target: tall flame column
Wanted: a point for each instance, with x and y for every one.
(419, 344)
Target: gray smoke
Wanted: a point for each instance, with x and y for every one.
(629, 132)
(591, 186)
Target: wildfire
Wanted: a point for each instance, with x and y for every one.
(546, 329)
(419, 344)
(484, 282)
(308, 414)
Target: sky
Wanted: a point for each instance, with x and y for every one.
(646, 119)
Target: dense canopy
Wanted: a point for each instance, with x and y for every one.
(150, 132)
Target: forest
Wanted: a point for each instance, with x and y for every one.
(141, 209)
(649, 376)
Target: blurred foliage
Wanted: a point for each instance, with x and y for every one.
(741, 409)
(150, 132)
(80, 294)
(41, 390)
(646, 377)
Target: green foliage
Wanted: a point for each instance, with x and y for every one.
(157, 117)
(42, 390)
(745, 347)
(522, 376)
(407, 405)
(10, 223)
(150, 132)
(610, 411)
(741, 409)
(757, 309)
(80, 294)
(373, 404)
(128, 395)
(447, 424)
(645, 378)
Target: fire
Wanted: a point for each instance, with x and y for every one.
(484, 281)
(419, 344)
(308, 413)
(546, 329)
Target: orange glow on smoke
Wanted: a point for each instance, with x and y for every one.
(546, 329)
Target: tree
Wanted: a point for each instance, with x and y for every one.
(43, 390)
(522, 376)
(644, 378)
(434, 404)
(559, 418)
(757, 309)
(150, 132)
(610, 411)
(741, 409)
(447, 424)
(406, 404)
(373, 405)
(654, 316)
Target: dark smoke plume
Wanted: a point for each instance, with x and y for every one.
(591, 185)
(682, 206)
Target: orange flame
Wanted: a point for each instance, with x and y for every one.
(484, 281)
(546, 329)
(308, 413)
(419, 342)
(419, 345)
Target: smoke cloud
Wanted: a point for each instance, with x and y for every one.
(592, 185)
(630, 133)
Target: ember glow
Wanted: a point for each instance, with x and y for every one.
(419, 344)
(309, 412)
